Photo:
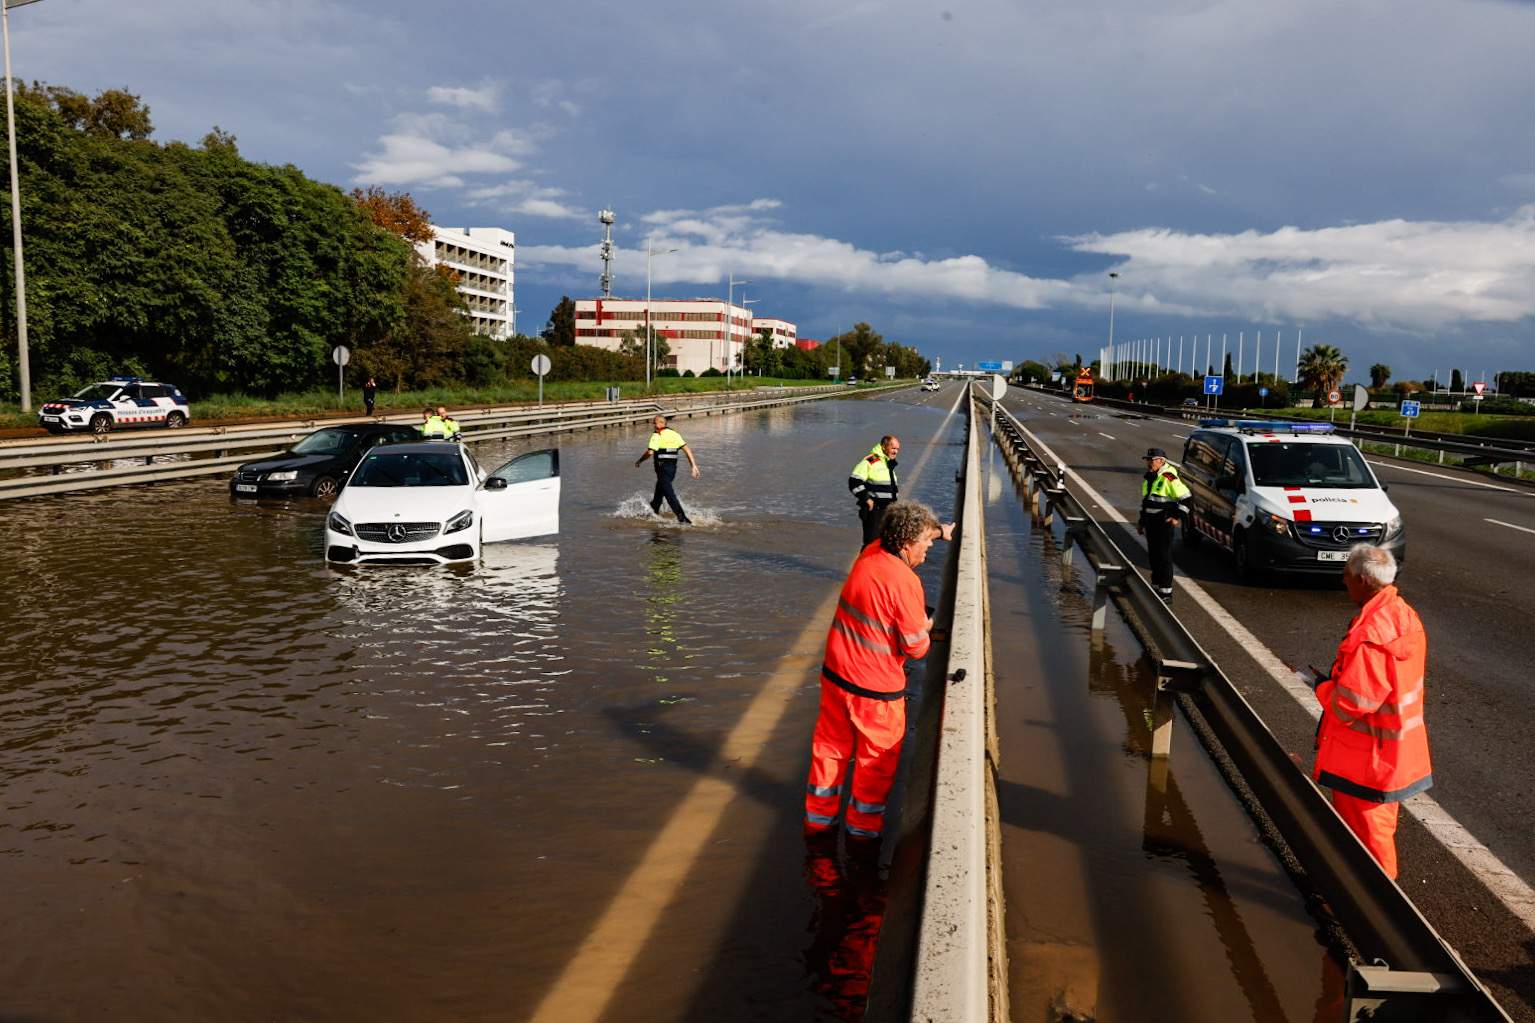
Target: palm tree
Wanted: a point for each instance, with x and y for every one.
(1379, 374)
(1322, 367)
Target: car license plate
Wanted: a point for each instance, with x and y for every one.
(50, 419)
(1332, 555)
(245, 488)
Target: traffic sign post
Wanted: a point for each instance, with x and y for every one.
(540, 366)
(1410, 411)
(1361, 402)
(1479, 386)
(1214, 387)
(340, 355)
(1334, 398)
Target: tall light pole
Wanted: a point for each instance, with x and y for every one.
(24, 371)
(1113, 276)
(730, 304)
(650, 329)
(746, 303)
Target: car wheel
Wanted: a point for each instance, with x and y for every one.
(175, 421)
(1247, 565)
(101, 423)
(324, 487)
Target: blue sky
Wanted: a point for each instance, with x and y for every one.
(961, 175)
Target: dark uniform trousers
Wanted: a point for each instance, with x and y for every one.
(666, 474)
(871, 519)
(1159, 548)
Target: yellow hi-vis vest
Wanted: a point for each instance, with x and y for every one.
(1163, 493)
(874, 477)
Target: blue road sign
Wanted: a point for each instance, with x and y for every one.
(1411, 409)
(1215, 385)
(1263, 392)
(989, 367)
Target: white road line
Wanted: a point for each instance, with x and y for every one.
(1453, 479)
(1510, 525)
(1110, 436)
(1506, 886)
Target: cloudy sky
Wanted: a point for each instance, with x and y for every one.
(962, 175)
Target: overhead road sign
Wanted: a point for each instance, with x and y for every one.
(989, 367)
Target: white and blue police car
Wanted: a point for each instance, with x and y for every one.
(118, 402)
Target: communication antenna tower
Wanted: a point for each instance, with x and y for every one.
(606, 218)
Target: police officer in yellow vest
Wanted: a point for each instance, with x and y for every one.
(1162, 495)
(450, 426)
(432, 425)
(665, 446)
(874, 485)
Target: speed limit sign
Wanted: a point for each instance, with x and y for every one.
(1334, 396)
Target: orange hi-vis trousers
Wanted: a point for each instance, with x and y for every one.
(867, 732)
(1374, 823)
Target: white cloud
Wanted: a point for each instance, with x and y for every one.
(485, 97)
(527, 198)
(439, 151)
(1399, 275)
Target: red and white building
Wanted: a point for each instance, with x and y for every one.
(702, 334)
(782, 331)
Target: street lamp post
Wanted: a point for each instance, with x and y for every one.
(1113, 364)
(24, 371)
(730, 308)
(650, 329)
(746, 303)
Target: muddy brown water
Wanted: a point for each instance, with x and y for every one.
(238, 785)
(1135, 891)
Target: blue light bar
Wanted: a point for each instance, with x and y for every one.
(1265, 426)
(123, 380)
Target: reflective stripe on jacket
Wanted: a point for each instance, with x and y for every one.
(666, 445)
(1162, 491)
(434, 427)
(881, 620)
(874, 477)
(1371, 742)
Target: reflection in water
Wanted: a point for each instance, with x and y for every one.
(664, 575)
(844, 927)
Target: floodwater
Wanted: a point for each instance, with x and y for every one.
(564, 783)
(1136, 892)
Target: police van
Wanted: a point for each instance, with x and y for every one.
(1285, 497)
(118, 402)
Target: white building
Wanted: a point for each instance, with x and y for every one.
(484, 260)
(701, 333)
(783, 332)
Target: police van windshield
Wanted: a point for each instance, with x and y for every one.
(1308, 465)
(98, 392)
(327, 442)
(412, 469)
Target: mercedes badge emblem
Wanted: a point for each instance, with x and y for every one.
(396, 533)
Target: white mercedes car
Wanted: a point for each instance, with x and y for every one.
(431, 504)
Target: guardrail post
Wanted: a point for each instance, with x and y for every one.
(1076, 529)
(1172, 676)
(1108, 576)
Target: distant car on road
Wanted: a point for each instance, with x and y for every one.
(431, 504)
(316, 465)
(1287, 497)
(1190, 402)
(930, 384)
(120, 401)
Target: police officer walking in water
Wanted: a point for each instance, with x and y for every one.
(874, 485)
(1162, 495)
(665, 444)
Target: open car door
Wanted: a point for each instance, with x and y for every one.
(522, 498)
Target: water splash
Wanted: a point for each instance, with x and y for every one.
(637, 507)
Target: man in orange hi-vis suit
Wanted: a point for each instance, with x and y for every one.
(881, 620)
(1371, 746)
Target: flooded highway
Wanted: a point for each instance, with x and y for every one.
(564, 783)
(1137, 891)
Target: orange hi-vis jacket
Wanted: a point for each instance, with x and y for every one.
(881, 620)
(1371, 742)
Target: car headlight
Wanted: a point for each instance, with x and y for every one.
(1393, 525)
(339, 524)
(1277, 523)
(282, 477)
(463, 520)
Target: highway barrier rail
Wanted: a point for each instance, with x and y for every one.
(1398, 965)
(960, 962)
(35, 467)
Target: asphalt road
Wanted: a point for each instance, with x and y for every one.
(1468, 576)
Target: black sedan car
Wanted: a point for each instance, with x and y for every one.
(316, 465)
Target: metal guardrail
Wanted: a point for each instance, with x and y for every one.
(207, 451)
(1404, 970)
(960, 975)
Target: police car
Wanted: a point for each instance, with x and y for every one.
(1287, 497)
(120, 401)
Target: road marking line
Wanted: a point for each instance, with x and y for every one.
(592, 976)
(1452, 479)
(1510, 525)
(1516, 895)
(1110, 436)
